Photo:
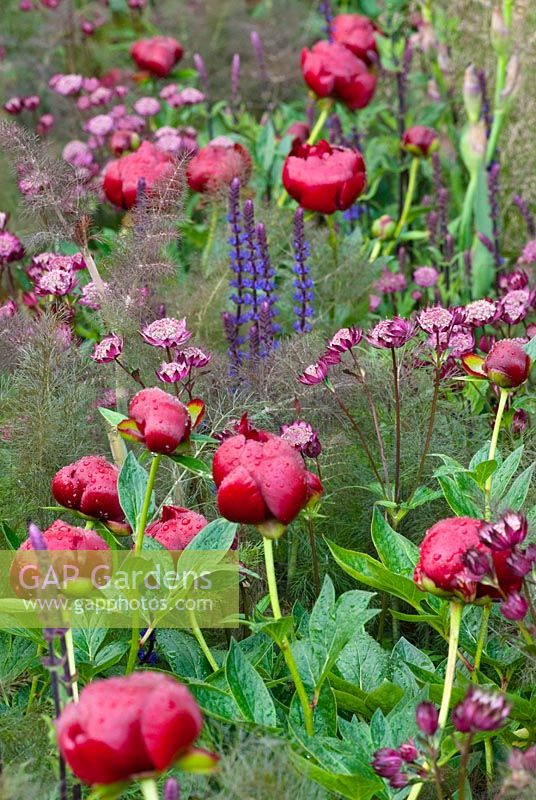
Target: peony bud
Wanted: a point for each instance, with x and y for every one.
(383, 228)
(507, 364)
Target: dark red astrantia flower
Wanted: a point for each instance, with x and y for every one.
(261, 480)
(122, 177)
(157, 419)
(324, 178)
(157, 55)
(331, 70)
(216, 165)
(127, 726)
(177, 527)
(357, 33)
(89, 485)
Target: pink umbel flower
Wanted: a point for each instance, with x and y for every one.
(514, 607)
(314, 373)
(374, 302)
(78, 154)
(166, 332)
(481, 312)
(480, 710)
(303, 437)
(101, 125)
(66, 85)
(195, 357)
(514, 306)
(459, 340)
(173, 371)
(13, 106)
(345, 339)
(436, 319)
(147, 106)
(108, 349)
(425, 277)
(391, 333)
(57, 282)
(90, 296)
(11, 247)
(390, 282)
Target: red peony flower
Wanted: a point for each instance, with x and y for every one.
(157, 55)
(121, 178)
(444, 566)
(89, 486)
(420, 140)
(157, 419)
(357, 33)
(177, 527)
(261, 479)
(216, 165)
(324, 178)
(507, 364)
(127, 726)
(331, 70)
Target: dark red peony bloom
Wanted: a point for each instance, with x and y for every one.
(507, 364)
(126, 726)
(157, 419)
(157, 55)
(216, 165)
(357, 33)
(420, 140)
(445, 569)
(89, 486)
(261, 479)
(177, 527)
(324, 178)
(121, 178)
(331, 70)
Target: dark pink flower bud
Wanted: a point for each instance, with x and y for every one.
(345, 339)
(13, 106)
(427, 717)
(391, 333)
(387, 762)
(408, 751)
(177, 527)
(314, 373)
(157, 55)
(420, 141)
(331, 70)
(515, 607)
(520, 421)
(30, 103)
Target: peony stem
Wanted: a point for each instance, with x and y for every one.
(412, 183)
(493, 448)
(415, 792)
(198, 633)
(148, 789)
(456, 611)
(482, 635)
(71, 662)
(285, 644)
(375, 252)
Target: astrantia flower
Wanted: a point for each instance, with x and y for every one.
(108, 349)
(11, 247)
(166, 332)
(101, 125)
(480, 312)
(459, 341)
(425, 277)
(173, 371)
(78, 154)
(505, 534)
(528, 256)
(345, 339)
(420, 141)
(8, 309)
(387, 762)
(66, 84)
(58, 282)
(195, 357)
(390, 282)
(435, 319)
(314, 373)
(427, 718)
(391, 333)
(514, 306)
(302, 436)
(516, 279)
(147, 106)
(90, 296)
(480, 710)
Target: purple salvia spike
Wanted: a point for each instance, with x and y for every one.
(231, 334)
(200, 66)
(237, 257)
(268, 276)
(253, 280)
(235, 81)
(325, 10)
(254, 342)
(304, 294)
(258, 49)
(171, 790)
(266, 328)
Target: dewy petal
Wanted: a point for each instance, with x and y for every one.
(240, 499)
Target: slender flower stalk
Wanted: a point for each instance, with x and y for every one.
(398, 430)
(149, 789)
(456, 611)
(503, 397)
(412, 183)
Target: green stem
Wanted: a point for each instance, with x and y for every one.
(207, 250)
(456, 610)
(148, 789)
(375, 252)
(488, 755)
(69, 644)
(285, 644)
(197, 632)
(415, 792)
(332, 238)
(493, 448)
(482, 636)
(412, 183)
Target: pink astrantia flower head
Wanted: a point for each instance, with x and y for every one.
(302, 436)
(425, 277)
(173, 371)
(391, 333)
(514, 607)
(13, 106)
(459, 340)
(480, 710)
(108, 349)
(314, 373)
(66, 85)
(514, 306)
(390, 282)
(147, 106)
(90, 296)
(11, 247)
(56, 281)
(505, 534)
(78, 154)
(345, 339)
(436, 319)
(195, 357)
(166, 332)
(480, 312)
(101, 125)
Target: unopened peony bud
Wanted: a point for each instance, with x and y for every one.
(384, 227)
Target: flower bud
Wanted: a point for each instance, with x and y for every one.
(501, 35)
(427, 717)
(420, 141)
(408, 751)
(514, 607)
(473, 144)
(505, 534)
(387, 762)
(472, 93)
(513, 75)
(507, 364)
(383, 228)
